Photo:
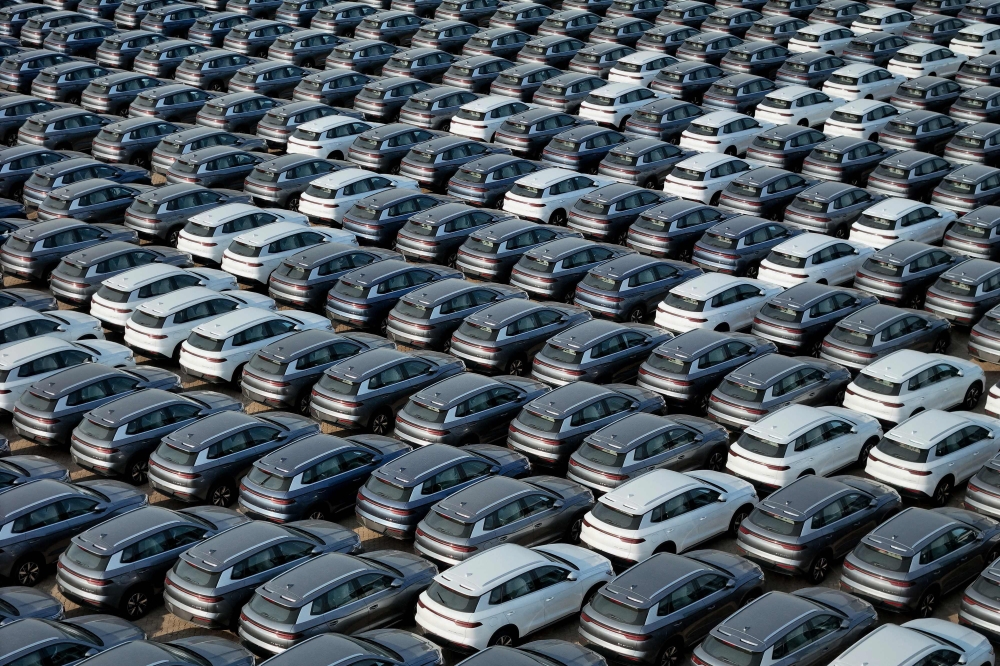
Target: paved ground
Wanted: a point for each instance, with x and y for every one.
(160, 624)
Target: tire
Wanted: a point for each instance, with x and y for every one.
(381, 422)
(308, 63)
(637, 315)
(172, 236)
(972, 397)
(753, 270)
(238, 374)
(672, 654)
(866, 449)
(716, 460)
(738, 518)
(223, 493)
(803, 123)
(292, 203)
(819, 568)
(815, 347)
(73, 98)
(752, 595)
(807, 472)
(842, 232)
(217, 86)
(666, 547)
(714, 201)
(942, 494)
(558, 218)
(28, 570)
(942, 344)
(874, 137)
(927, 604)
(17, 193)
(302, 402)
(383, 327)
(649, 183)
(140, 161)
(137, 471)
(10, 139)
(517, 366)
(573, 533)
(318, 511)
(136, 602)
(731, 150)
(506, 636)
(623, 123)
(915, 302)
(838, 399)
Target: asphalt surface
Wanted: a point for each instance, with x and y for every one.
(159, 624)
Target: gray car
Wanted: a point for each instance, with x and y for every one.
(975, 235)
(630, 287)
(433, 163)
(303, 280)
(903, 272)
(597, 351)
(964, 293)
(829, 207)
(340, 591)
(69, 641)
(136, 423)
(435, 235)
(278, 124)
(115, 92)
(644, 162)
(120, 564)
(664, 605)
(19, 603)
(34, 299)
(398, 494)
(552, 270)
(213, 579)
(485, 181)
(18, 470)
(283, 373)
(132, 141)
(497, 510)
(203, 461)
(799, 318)
(17, 109)
(428, 316)
(673, 228)
(465, 409)
(19, 163)
(177, 102)
(806, 627)
(218, 166)
(766, 384)
(738, 244)
(79, 275)
(53, 176)
(190, 651)
(50, 409)
(388, 647)
(315, 477)
(197, 138)
(550, 428)
(69, 128)
(491, 253)
(984, 341)
(504, 337)
(913, 559)
(40, 518)
(161, 213)
(979, 607)
(95, 200)
(878, 330)
(803, 528)
(280, 181)
(367, 390)
(32, 252)
(642, 442)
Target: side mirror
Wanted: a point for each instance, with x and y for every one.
(571, 576)
(495, 469)
(316, 550)
(854, 430)
(873, 503)
(91, 652)
(558, 504)
(961, 374)
(730, 583)
(722, 498)
(60, 328)
(396, 582)
(845, 624)
(698, 438)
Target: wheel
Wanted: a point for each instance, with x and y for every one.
(841, 232)
(558, 218)
(666, 547)
(222, 494)
(381, 422)
(302, 402)
(703, 402)
(927, 604)
(972, 396)
(932, 74)
(738, 518)
(11, 139)
(446, 127)
(815, 347)
(716, 458)
(173, 235)
(28, 570)
(517, 366)
(123, 112)
(506, 637)
(714, 201)
(451, 259)
(73, 98)
(308, 63)
(915, 302)
(446, 346)
(318, 511)
(135, 603)
(17, 193)
(591, 593)
(838, 398)
(140, 161)
(753, 270)
(623, 123)
(869, 97)
(216, 86)
(383, 327)
(819, 568)
(637, 315)
(731, 150)
(292, 203)
(649, 183)
(752, 595)
(573, 533)
(866, 449)
(942, 494)
(803, 123)
(671, 655)
(137, 471)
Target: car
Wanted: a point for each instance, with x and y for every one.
(622, 524)
(492, 252)
(813, 258)
(930, 572)
(641, 67)
(894, 220)
(829, 207)
(724, 302)
(17, 110)
(215, 167)
(496, 41)
(910, 175)
(433, 163)
(887, 20)
(274, 79)
(377, 218)
(764, 192)
(614, 104)
(971, 235)
(202, 588)
(121, 49)
(476, 73)
(714, 170)
(91, 200)
(49, 410)
(115, 301)
(829, 38)
(547, 195)
(975, 40)
(737, 244)
(685, 13)
(773, 29)
(775, 621)
(641, 282)
(211, 650)
(346, 186)
(254, 254)
(395, 646)
(79, 275)
(119, 565)
(857, 81)
(382, 149)
(975, 144)
(65, 129)
(979, 71)
(29, 298)
(481, 118)
(162, 58)
(687, 80)
(47, 513)
(450, 224)
(785, 146)
(982, 346)
(223, 224)
(529, 132)
(861, 119)
(16, 471)
(364, 56)
(879, 330)
(664, 119)
(38, 27)
(33, 637)
(803, 527)
(399, 494)
(581, 148)
(334, 86)
(449, 35)
(211, 30)
(875, 48)
(963, 281)
(737, 92)
(175, 102)
(161, 213)
(606, 213)
(599, 58)
(400, 578)
(570, 574)
(920, 130)
(754, 58)
(211, 69)
(666, 597)
(979, 496)
(968, 188)
(929, 93)
(644, 162)
(304, 48)
(567, 260)
(555, 50)
(924, 637)
(811, 69)
(381, 100)
(292, 173)
(304, 279)
(798, 9)
(53, 176)
(722, 132)
(21, 603)
(570, 22)
(32, 252)
(22, 68)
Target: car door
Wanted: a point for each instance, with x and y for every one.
(706, 602)
(520, 605)
(977, 447)
(811, 642)
(956, 556)
(840, 448)
(50, 528)
(154, 554)
(381, 601)
(560, 596)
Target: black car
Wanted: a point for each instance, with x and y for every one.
(383, 148)
(731, 20)
(280, 181)
(840, 12)
(524, 16)
(665, 38)
(521, 82)
(366, 56)
(577, 23)
(270, 78)
(775, 29)
(665, 119)
(13, 17)
(829, 207)
(435, 235)
(874, 48)
(528, 133)
(424, 63)
(934, 29)
(163, 58)
(910, 174)
(710, 47)
(256, 37)
(981, 71)
(797, 8)
(278, 124)
(927, 131)
(582, 148)
(689, 13)
(132, 141)
(808, 69)
(336, 87)
(485, 181)
(757, 58)
(975, 235)
(474, 11)
(967, 188)
(448, 35)
(983, 11)
(845, 159)
(340, 18)
(79, 39)
(303, 280)
(976, 105)
(19, 163)
(738, 92)
(630, 287)
(643, 9)
(475, 73)
(65, 82)
(554, 50)
(902, 272)
(672, 228)
(435, 107)
(218, 166)
(120, 50)
(197, 138)
(500, 42)
(212, 69)
(173, 20)
(930, 93)
(598, 59)
(784, 146)
(15, 110)
(687, 80)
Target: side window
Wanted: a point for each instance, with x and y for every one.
(513, 589)
(809, 632)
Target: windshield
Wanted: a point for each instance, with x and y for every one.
(616, 518)
(96, 431)
(775, 524)
(883, 559)
(601, 456)
(450, 599)
(618, 611)
(449, 526)
(762, 447)
(901, 451)
(388, 490)
(272, 611)
(176, 456)
(87, 559)
(192, 574)
(741, 391)
(268, 480)
(852, 337)
(779, 313)
(730, 653)
(877, 384)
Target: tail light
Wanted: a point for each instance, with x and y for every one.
(92, 581)
(460, 623)
(638, 638)
(398, 512)
(787, 546)
(183, 475)
(890, 581)
(200, 597)
(550, 442)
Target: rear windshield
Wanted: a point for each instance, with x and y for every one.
(192, 574)
(205, 343)
(785, 259)
(741, 391)
(390, 491)
(478, 332)
(618, 611)
(730, 653)
(96, 431)
(602, 283)
(779, 313)
(684, 303)
(449, 526)
(616, 518)
(267, 366)
(601, 456)
(450, 599)
(669, 364)
(425, 413)
(877, 385)
(902, 451)
(87, 559)
(339, 386)
(35, 401)
(882, 268)
(272, 611)
(989, 476)
(268, 480)
(852, 337)
(561, 354)
(762, 447)
(883, 559)
(775, 524)
(539, 421)
(176, 456)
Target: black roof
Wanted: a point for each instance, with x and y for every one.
(971, 173)
(737, 227)
(784, 132)
(803, 295)
(924, 82)
(907, 159)
(902, 252)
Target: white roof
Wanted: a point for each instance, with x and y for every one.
(708, 285)
(644, 492)
(893, 208)
(805, 245)
(640, 58)
(861, 106)
(343, 177)
(705, 161)
(270, 233)
(215, 217)
(233, 322)
(27, 350)
(900, 365)
(882, 12)
(919, 49)
(488, 103)
(546, 177)
(978, 29)
(787, 423)
(889, 643)
(178, 300)
(926, 428)
(717, 118)
(617, 89)
(138, 277)
(818, 28)
(17, 314)
(858, 69)
(486, 570)
(329, 122)
(790, 92)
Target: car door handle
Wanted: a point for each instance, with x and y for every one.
(509, 613)
(503, 538)
(549, 598)
(373, 607)
(538, 524)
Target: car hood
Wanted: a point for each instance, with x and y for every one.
(109, 629)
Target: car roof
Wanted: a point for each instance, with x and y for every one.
(764, 369)
(269, 233)
(642, 584)
(196, 436)
(122, 409)
(893, 208)
(564, 400)
(631, 431)
(292, 458)
(902, 252)
(377, 271)
(583, 336)
(107, 537)
(705, 161)
(908, 528)
(691, 344)
(639, 495)
(302, 583)
(480, 574)
(764, 618)
(446, 393)
(547, 177)
(861, 106)
(26, 350)
(297, 344)
(923, 430)
(798, 499)
(804, 245)
(889, 639)
(803, 294)
(718, 118)
(791, 92)
(232, 322)
(856, 69)
(217, 552)
(20, 497)
(66, 381)
(136, 277)
(706, 285)
(418, 464)
(179, 299)
(472, 502)
(786, 423)
(502, 313)
(978, 29)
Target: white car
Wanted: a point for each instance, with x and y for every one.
(896, 219)
(919, 643)
(704, 176)
(328, 197)
(714, 301)
(253, 255)
(798, 440)
(18, 323)
(993, 401)
(29, 361)
(861, 119)
(977, 39)
(159, 326)
(813, 257)
(614, 103)
(931, 453)
(218, 349)
(207, 235)
(481, 118)
(905, 382)
(663, 510)
(546, 195)
(640, 67)
(722, 132)
(926, 60)
(826, 38)
(860, 81)
(509, 592)
(330, 136)
(796, 105)
(120, 295)
(882, 19)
